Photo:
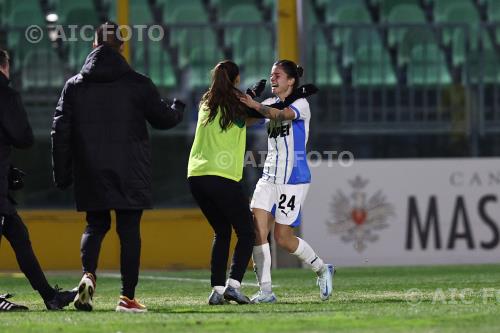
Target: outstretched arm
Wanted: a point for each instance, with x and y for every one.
(268, 111)
(302, 92)
(159, 113)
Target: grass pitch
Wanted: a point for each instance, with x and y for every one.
(396, 299)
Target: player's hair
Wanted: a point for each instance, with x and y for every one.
(4, 58)
(224, 95)
(109, 34)
(291, 69)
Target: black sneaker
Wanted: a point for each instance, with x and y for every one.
(61, 299)
(216, 299)
(233, 294)
(6, 305)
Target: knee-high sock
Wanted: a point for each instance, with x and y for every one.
(261, 256)
(307, 255)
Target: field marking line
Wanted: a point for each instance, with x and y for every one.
(169, 278)
(145, 277)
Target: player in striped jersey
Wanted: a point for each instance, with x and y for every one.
(280, 192)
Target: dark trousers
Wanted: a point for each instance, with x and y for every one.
(16, 233)
(224, 204)
(128, 229)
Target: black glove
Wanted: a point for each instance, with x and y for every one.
(257, 89)
(178, 105)
(303, 91)
(16, 178)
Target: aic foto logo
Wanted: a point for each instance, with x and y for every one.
(357, 217)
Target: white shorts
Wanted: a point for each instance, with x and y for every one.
(284, 201)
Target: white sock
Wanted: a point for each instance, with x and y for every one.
(233, 283)
(261, 256)
(305, 253)
(218, 289)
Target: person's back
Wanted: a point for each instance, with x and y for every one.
(100, 140)
(215, 168)
(104, 110)
(224, 155)
(109, 106)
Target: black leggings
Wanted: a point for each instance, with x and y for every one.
(128, 229)
(17, 234)
(224, 204)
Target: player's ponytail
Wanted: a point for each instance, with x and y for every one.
(292, 70)
(223, 76)
(223, 96)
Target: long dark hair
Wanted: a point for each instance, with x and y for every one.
(224, 95)
(291, 69)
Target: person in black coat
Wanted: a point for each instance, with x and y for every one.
(16, 132)
(100, 142)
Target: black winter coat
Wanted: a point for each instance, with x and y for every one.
(99, 134)
(15, 131)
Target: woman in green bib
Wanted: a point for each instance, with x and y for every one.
(214, 172)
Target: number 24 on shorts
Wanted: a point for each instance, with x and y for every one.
(290, 204)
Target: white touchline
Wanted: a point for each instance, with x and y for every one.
(145, 277)
(168, 278)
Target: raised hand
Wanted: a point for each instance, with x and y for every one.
(257, 89)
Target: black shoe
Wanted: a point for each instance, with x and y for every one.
(61, 299)
(216, 299)
(6, 305)
(233, 294)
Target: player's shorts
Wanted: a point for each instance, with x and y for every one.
(284, 201)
